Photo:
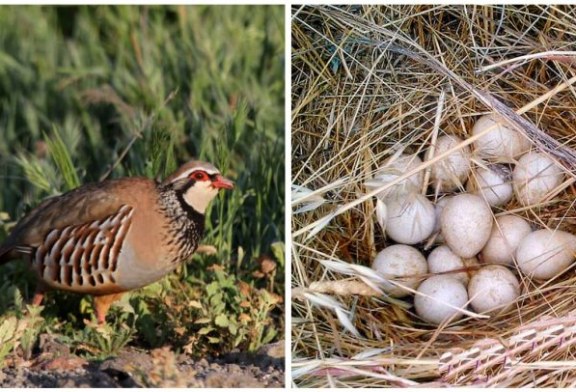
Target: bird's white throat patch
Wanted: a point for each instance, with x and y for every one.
(200, 195)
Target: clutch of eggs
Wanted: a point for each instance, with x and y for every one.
(451, 279)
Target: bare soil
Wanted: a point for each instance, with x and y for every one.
(56, 367)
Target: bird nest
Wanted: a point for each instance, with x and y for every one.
(369, 82)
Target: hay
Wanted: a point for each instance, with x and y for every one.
(371, 82)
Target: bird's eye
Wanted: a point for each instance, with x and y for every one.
(200, 176)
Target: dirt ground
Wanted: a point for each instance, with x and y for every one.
(55, 367)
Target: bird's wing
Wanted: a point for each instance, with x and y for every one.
(88, 203)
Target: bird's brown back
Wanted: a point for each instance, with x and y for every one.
(88, 203)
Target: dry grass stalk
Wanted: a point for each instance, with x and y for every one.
(496, 361)
(341, 287)
(367, 84)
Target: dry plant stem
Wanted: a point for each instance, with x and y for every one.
(339, 287)
(349, 363)
(527, 348)
(319, 191)
(562, 86)
(430, 152)
(319, 172)
(362, 88)
(369, 234)
(521, 124)
(523, 59)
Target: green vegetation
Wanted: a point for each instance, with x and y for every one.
(88, 93)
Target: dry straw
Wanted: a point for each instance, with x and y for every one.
(371, 82)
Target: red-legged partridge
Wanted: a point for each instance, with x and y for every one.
(108, 238)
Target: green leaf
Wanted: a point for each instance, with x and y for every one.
(18, 300)
(34, 172)
(160, 152)
(7, 330)
(61, 157)
(153, 289)
(270, 334)
(212, 289)
(85, 305)
(278, 251)
(213, 340)
(219, 308)
(221, 320)
(238, 339)
(125, 305)
(241, 255)
(205, 330)
(216, 300)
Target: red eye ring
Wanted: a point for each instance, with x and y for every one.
(200, 175)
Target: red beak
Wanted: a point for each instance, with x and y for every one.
(221, 182)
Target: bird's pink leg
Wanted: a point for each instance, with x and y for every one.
(41, 289)
(102, 303)
(38, 297)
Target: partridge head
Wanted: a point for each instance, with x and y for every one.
(108, 238)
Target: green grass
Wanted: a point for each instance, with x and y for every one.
(97, 92)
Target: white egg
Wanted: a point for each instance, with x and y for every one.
(501, 143)
(442, 260)
(493, 183)
(451, 172)
(403, 264)
(395, 168)
(439, 298)
(410, 218)
(507, 232)
(544, 253)
(493, 288)
(534, 177)
(466, 222)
